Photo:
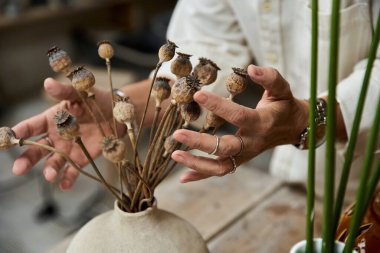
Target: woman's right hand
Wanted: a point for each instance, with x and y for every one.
(55, 167)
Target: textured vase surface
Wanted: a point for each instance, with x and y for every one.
(152, 230)
(301, 247)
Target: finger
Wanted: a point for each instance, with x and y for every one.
(232, 112)
(228, 144)
(60, 91)
(25, 162)
(31, 127)
(271, 80)
(69, 177)
(52, 166)
(191, 176)
(203, 165)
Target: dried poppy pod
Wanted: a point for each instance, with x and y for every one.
(169, 145)
(190, 112)
(113, 149)
(237, 81)
(67, 125)
(105, 49)
(167, 51)
(206, 71)
(184, 88)
(124, 113)
(161, 90)
(83, 80)
(181, 66)
(213, 121)
(7, 138)
(59, 60)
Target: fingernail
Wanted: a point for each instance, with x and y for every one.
(201, 98)
(258, 71)
(66, 184)
(178, 157)
(180, 137)
(17, 171)
(50, 174)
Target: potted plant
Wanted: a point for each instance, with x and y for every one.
(135, 224)
(368, 179)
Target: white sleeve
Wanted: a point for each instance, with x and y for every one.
(348, 92)
(208, 28)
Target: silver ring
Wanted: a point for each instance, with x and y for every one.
(234, 165)
(241, 145)
(216, 146)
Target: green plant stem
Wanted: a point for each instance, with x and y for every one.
(78, 140)
(328, 235)
(158, 66)
(355, 127)
(312, 136)
(362, 193)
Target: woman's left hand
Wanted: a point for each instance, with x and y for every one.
(278, 119)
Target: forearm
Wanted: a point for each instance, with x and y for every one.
(341, 132)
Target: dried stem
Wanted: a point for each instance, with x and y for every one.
(99, 111)
(159, 64)
(109, 68)
(155, 119)
(65, 156)
(153, 145)
(88, 108)
(78, 140)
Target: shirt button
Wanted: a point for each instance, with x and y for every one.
(266, 6)
(272, 57)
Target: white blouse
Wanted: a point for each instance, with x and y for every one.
(276, 33)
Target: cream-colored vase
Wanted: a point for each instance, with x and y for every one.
(153, 231)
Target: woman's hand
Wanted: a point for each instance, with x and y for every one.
(278, 119)
(44, 124)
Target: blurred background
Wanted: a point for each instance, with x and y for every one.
(35, 215)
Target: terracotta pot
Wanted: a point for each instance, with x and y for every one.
(152, 230)
(301, 247)
(369, 232)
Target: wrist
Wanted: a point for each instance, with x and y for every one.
(320, 126)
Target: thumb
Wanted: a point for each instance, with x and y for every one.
(60, 91)
(271, 80)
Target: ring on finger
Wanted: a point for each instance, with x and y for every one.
(234, 165)
(216, 146)
(241, 145)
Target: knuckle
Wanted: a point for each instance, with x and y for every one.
(212, 106)
(221, 170)
(239, 117)
(226, 149)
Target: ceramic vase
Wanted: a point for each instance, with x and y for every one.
(301, 247)
(153, 230)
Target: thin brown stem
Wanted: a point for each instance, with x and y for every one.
(78, 140)
(88, 108)
(99, 111)
(155, 119)
(65, 156)
(158, 135)
(109, 69)
(159, 64)
(167, 129)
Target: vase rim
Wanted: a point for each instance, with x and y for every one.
(137, 214)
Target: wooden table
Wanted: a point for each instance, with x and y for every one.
(246, 212)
